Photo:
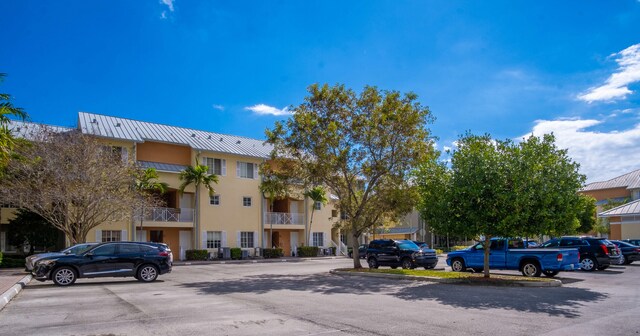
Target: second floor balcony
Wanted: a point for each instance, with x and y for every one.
(180, 215)
(283, 218)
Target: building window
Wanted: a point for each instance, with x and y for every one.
(111, 236)
(635, 195)
(247, 170)
(334, 213)
(343, 238)
(318, 239)
(216, 166)
(214, 200)
(343, 215)
(246, 239)
(214, 239)
(246, 201)
(317, 205)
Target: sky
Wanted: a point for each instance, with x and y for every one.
(507, 68)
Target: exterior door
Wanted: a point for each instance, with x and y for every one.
(497, 254)
(294, 243)
(101, 261)
(475, 257)
(185, 243)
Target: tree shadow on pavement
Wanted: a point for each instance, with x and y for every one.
(558, 301)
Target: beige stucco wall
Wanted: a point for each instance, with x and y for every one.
(628, 231)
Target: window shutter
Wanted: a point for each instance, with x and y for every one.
(255, 171)
(237, 168)
(204, 240)
(255, 239)
(239, 241)
(123, 236)
(224, 167)
(223, 242)
(99, 236)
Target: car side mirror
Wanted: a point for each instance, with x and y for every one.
(90, 254)
(67, 252)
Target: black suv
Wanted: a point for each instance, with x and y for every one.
(144, 261)
(595, 253)
(399, 253)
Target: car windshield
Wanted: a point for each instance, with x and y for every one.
(407, 245)
(78, 249)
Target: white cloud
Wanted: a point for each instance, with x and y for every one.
(263, 109)
(218, 107)
(169, 4)
(602, 155)
(617, 85)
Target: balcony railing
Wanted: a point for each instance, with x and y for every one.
(182, 215)
(283, 218)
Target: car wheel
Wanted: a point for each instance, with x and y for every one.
(623, 260)
(530, 269)
(147, 273)
(588, 264)
(407, 263)
(550, 274)
(457, 265)
(64, 276)
(373, 263)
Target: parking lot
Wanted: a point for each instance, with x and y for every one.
(302, 298)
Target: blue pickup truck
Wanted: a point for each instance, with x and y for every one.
(511, 254)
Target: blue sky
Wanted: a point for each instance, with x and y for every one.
(508, 68)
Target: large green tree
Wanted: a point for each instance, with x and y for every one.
(198, 176)
(30, 229)
(7, 109)
(496, 188)
(362, 147)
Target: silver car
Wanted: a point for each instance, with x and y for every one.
(75, 249)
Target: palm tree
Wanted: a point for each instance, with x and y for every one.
(197, 176)
(146, 183)
(7, 109)
(273, 188)
(316, 194)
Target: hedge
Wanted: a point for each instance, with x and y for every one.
(0, 258)
(272, 253)
(236, 253)
(197, 254)
(307, 251)
(10, 262)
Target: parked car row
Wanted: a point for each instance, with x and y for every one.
(400, 253)
(141, 260)
(595, 253)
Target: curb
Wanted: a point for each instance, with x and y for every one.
(467, 281)
(13, 291)
(249, 261)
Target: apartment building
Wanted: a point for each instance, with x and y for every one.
(624, 220)
(236, 215)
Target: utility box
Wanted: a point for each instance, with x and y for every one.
(226, 253)
(245, 254)
(258, 252)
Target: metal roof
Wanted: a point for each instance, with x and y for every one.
(629, 181)
(398, 230)
(163, 167)
(141, 131)
(29, 130)
(631, 208)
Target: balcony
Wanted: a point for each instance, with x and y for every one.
(283, 218)
(181, 215)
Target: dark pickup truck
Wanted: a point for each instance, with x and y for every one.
(510, 254)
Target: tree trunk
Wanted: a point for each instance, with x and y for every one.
(196, 219)
(354, 247)
(310, 223)
(487, 250)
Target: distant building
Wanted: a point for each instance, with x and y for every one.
(624, 220)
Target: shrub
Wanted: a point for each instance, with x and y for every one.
(439, 251)
(236, 253)
(307, 251)
(272, 253)
(12, 262)
(197, 254)
(0, 258)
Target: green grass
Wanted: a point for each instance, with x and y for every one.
(473, 277)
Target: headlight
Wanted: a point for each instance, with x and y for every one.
(45, 262)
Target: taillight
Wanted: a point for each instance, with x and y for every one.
(578, 255)
(164, 254)
(638, 250)
(604, 248)
(559, 257)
